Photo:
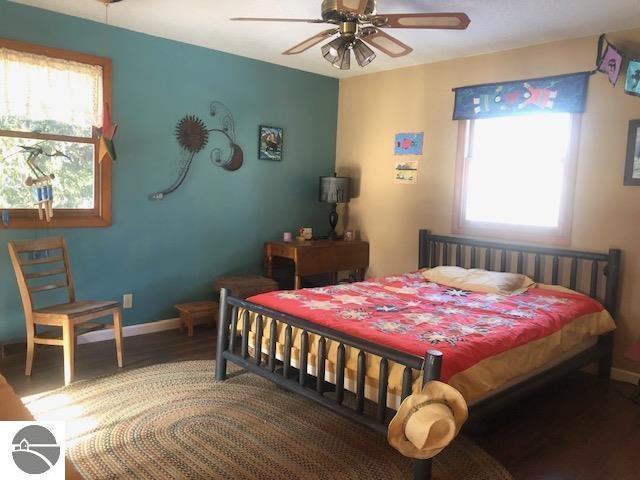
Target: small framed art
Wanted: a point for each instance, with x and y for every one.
(632, 165)
(270, 143)
(632, 82)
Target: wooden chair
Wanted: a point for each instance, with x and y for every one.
(34, 273)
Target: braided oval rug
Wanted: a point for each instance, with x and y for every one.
(173, 421)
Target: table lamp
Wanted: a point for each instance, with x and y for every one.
(334, 190)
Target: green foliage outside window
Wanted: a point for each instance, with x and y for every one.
(74, 176)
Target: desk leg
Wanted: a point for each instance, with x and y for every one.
(269, 261)
(298, 283)
(189, 319)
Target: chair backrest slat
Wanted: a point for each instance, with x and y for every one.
(47, 243)
(45, 273)
(25, 262)
(46, 288)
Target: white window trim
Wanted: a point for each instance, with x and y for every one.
(560, 235)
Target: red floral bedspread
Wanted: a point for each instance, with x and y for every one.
(407, 313)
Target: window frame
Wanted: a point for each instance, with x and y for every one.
(560, 235)
(100, 214)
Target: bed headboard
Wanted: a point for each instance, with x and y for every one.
(594, 274)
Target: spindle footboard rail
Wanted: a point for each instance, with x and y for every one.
(236, 313)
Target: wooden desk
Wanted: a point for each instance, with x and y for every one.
(314, 257)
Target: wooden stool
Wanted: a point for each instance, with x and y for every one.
(244, 286)
(188, 311)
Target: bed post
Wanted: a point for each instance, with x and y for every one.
(424, 250)
(223, 333)
(611, 304)
(431, 371)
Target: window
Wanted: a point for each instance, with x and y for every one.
(53, 100)
(515, 177)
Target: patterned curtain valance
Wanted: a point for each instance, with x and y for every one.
(559, 94)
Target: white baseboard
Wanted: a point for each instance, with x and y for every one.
(625, 376)
(133, 330)
(616, 374)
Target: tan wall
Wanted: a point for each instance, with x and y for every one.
(373, 108)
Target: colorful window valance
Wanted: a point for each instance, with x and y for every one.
(559, 94)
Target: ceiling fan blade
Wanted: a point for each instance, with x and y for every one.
(385, 42)
(352, 6)
(310, 42)
(299, 20)
(451, 21)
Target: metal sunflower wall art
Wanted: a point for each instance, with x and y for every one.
(193, 136)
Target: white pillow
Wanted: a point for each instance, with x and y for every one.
(477, 280)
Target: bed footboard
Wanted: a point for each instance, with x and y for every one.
(235, 348)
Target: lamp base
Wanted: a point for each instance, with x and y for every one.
(333, 222)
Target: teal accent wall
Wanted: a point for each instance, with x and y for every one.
(169, 251)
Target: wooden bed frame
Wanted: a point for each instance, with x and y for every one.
(560, 266)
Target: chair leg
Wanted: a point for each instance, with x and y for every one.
(68, 347)
(30, 352)
(117, 330)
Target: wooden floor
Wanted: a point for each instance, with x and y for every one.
(583, 428)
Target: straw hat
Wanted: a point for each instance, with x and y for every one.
(428, 421)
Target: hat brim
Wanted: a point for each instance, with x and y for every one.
(431, 391)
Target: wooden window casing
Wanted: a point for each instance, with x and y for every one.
(100, 214)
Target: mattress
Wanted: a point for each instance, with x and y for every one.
(489, 341)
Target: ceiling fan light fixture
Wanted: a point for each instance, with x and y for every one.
(364, 55)
(343, 61)
(331, 51)
(340, 58)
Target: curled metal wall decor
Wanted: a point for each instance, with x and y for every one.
(193, 136)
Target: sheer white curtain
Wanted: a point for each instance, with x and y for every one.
(42, 88)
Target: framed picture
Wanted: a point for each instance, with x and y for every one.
(270, 143)
(632, 82)
(409, 143)
(632, 165)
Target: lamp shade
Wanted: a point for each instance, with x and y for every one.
(334, 189)
(331, 51)
(364, 55)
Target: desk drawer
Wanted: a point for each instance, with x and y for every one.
(323, 259)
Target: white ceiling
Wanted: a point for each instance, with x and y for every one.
(495, 25)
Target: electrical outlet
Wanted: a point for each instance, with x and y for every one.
(127, 300)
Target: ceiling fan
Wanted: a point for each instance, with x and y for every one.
(358, 24)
